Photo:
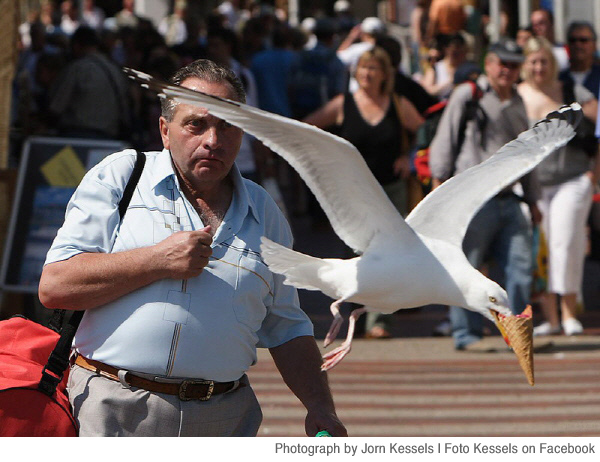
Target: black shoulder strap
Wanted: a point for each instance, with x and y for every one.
(58, 361)
(469, 113)
(140, 161)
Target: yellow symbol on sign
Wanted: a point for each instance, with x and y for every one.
(64, 169)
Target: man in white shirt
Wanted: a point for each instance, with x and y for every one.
(583, 66)
(177, 297)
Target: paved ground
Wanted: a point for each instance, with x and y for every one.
(423, 387)
(418, 385)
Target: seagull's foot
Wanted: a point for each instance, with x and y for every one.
(335, 356)
(333, 330)
(336, 324)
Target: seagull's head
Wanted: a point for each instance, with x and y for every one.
(490, 297)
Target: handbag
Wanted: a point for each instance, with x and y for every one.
(34, 363)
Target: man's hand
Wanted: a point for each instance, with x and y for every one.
(185, 253)
(318, 421)
(299, 363)
(88, 280)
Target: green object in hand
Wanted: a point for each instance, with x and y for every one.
(322, 433)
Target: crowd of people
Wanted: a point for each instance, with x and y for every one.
(342, 73)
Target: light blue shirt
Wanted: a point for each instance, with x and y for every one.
(206, 328)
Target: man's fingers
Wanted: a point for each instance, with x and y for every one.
(203, 235)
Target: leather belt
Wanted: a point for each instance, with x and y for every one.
(186, 390)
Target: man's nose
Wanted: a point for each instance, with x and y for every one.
(211, 137)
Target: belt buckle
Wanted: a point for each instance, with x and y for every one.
(185, 383)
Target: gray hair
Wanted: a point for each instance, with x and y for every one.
(208, 71)
(581, 25)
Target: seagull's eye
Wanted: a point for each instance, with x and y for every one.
(493, 300)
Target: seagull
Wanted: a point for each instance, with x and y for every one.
(400, 263)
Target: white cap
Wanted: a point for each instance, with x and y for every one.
(225, 8)
(308, 24)
(372, 25)
(341, 5)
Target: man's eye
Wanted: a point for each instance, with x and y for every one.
(195, 123)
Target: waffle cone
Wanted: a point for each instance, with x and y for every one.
(518, 333)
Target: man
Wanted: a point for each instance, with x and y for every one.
(220, 45)
(254, 160)
(317, 74)
(127, 16)
(173, 27)
(542, 23)
(177, 294)
(446, 17)
(90, 98)
(500, 229)
(583, 69)
(271, 68)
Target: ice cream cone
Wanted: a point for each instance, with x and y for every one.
(518, 334)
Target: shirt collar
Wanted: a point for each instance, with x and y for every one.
(242, 196)
(163, 169)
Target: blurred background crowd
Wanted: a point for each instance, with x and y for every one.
(293, 57)
(256, 38)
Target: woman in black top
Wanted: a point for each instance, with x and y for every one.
(369, 119)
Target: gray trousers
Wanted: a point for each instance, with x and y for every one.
(104, 407)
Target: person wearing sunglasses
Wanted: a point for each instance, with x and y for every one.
(584, 68)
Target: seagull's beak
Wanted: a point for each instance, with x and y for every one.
(500, 326)
(517, 332)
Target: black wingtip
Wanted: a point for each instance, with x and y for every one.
(572, 114)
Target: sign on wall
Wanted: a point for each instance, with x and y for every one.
(50, 170)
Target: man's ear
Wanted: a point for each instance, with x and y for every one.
(164, 132)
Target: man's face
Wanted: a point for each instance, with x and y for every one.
(582, 46)
(502, 74)
(540, 22)
(203, 147)
(522, 37)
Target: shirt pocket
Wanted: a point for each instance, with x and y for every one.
(253, 291)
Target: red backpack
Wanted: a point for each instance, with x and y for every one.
(427, 130)
(34, 364)
(26, 407)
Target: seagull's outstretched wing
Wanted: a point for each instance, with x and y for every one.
(445, 213)
(333, 169)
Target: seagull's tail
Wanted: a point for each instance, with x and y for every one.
(300, 270)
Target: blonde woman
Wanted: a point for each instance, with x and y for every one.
(369, 119)
(567, 179)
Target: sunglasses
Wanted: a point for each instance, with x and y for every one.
(580, 39)
(510, 64)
